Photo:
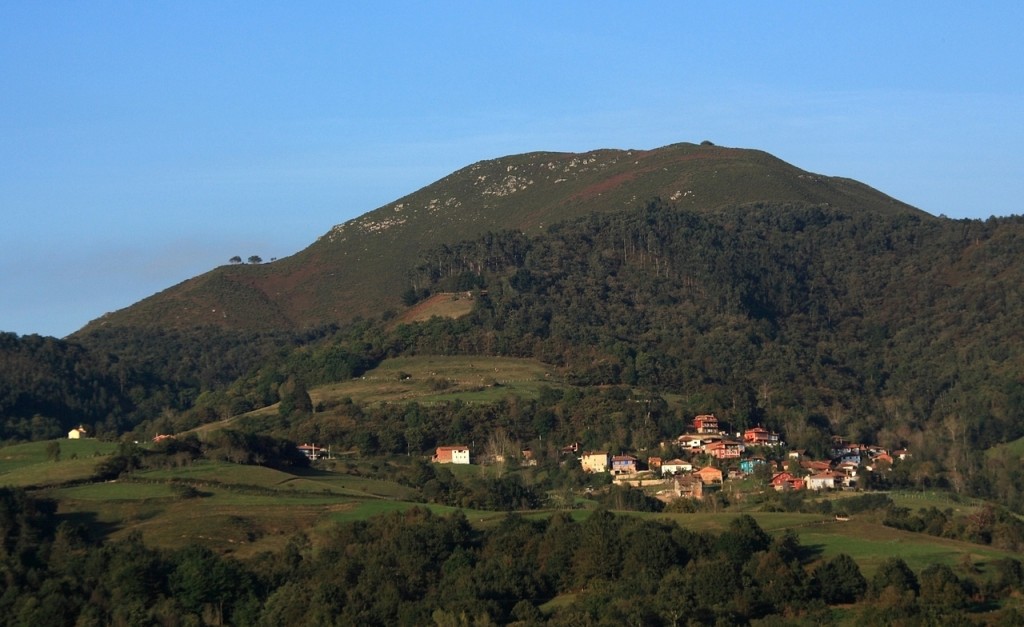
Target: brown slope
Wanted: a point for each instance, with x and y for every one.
(359, 268)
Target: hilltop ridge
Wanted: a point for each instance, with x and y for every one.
(360, 267)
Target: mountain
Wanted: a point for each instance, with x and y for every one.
(723, 278)
(361, 267)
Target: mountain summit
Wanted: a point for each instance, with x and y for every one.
(360, 267)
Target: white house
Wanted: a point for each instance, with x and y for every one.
(673, 466)
(77, 433)
(827, 480)
(457, 454)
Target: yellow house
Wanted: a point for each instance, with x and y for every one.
(77, 433)
(595, 462)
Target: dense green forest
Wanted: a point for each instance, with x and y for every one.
(418, 568)
(775, 312)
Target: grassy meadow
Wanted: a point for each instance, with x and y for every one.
(29, 465)
(244, 510)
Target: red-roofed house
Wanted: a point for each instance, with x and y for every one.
(706, 423)
(709, 474)
(759, 436)
(786, 481)
(724, 449)
(455, 454)
(312, 451)
(623, 465)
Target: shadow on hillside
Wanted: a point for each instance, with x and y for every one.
(810, 552)
(95, 529)
(308, 472)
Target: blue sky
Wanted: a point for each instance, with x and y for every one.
(146, 142)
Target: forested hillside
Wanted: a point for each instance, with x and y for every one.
(770, 313)
(48, 386)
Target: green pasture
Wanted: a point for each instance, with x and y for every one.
(939, 500)
(221, 473)
(870, 544)
(115, 491)
(26, 465)
(30, 453)
(1015, 448)
(248, 509)
(421, 378)
(304, 480)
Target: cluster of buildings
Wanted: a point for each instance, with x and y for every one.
(733, 456)
(713, 455)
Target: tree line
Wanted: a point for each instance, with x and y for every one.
(415, 567)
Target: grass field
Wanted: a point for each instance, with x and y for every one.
(869, 543)
(248, 509)
(444, 305)
(427, 379)
(431, 378)
(26, 465)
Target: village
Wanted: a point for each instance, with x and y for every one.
(708, 455)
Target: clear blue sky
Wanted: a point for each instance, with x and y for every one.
(142, 143)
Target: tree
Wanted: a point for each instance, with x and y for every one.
(893, 573)
(235, 259)
(53, 451)
(839, 580)
(255, 259)
(294, 398)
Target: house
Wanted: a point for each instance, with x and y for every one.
(815, 467)
(595, 462)
(759, 436)
(77, 433)
(882, 460)
(784, 481)
(901, 454)
(748, 466)
(827, 480)
(455, 454)
(709, 475)
(312, 451)
(688, 486)
(706, 423)
(848, 474)
(691, 440)
(673, 466)
(623, 465)
(724, 449)
(528, 458)
(654, 463)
